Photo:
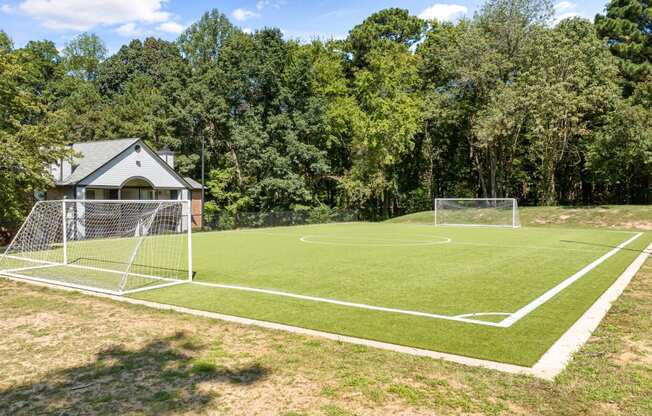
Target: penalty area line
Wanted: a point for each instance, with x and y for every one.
(530, 307)
(345, 303)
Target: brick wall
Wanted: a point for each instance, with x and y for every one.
(196, 209)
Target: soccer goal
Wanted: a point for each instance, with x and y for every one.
(115, 246)
(488, 212)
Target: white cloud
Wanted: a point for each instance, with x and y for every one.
(6, 8)
(128, 29)
(261, 4)
(85, 14)
(243, 14)
(171, 27)
(247, 30)
(564, 5)
(443, 12)
(565, 10)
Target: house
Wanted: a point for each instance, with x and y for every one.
(122, 169)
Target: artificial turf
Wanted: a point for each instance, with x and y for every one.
(412, 267)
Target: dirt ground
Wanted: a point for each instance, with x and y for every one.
(63, 353)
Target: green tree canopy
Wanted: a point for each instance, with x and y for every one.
(83, 55)
(386, 26)
(627, 26)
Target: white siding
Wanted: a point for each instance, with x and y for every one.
(169, 159)
(60, 170)
(55, 170)
(67, 169)
(131, 164)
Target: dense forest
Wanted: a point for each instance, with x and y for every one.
(506, 103)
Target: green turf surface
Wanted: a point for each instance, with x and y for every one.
(445, 270)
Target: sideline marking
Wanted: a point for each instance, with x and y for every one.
(344, 303)
(510, 320)
(551, 363)
(527, 309)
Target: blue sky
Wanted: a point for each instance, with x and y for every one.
(118, 21)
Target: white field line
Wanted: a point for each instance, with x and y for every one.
(54, 283)
(161, 286)
(420, 352)
(548, 367)
(97, 269)
(553, 361)
(344, 303)
(527, 309)
(32, 260)
(469, 315)
(21, 269)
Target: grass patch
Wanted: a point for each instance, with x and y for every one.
(46, 375)
(480, 270)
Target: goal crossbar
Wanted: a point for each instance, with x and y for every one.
(476, 212)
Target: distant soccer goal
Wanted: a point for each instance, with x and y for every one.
(488, 212)
(114, 246)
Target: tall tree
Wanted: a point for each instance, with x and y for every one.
(384, 27)
(569, 87)
(627, 27)
(202, 41)
(29, 143)
(83, 55)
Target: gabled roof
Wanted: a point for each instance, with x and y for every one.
(193, 183)
(93, 155)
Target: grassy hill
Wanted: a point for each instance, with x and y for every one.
(630, 217)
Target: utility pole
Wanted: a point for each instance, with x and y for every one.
(203, 140)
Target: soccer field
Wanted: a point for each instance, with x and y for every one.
(497, 293)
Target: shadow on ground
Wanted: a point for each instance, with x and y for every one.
(159, 379)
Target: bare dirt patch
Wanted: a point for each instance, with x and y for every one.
(64, 353)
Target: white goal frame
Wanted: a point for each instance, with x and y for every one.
(143, 231)
(515, 222)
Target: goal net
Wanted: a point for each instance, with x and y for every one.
(493, 212)
(116, 247)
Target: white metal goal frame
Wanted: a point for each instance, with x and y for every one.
(153, 222)
(492, 203)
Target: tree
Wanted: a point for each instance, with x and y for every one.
(386, 26)
(158, 59)
(83, 55)
(202, 41)
(619, 157)
(569, 86)
(6, 44)
(28, 142)
(627, 27)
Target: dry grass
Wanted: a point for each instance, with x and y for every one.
(67, 354)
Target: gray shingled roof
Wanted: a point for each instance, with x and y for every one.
(193, 183)
(93, 156)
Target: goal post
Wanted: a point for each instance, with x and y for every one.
(110, 246)
(480, 212)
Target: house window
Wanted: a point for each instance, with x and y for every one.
(90, 194)
(147, 194)
(113, 194)
(174, 194)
